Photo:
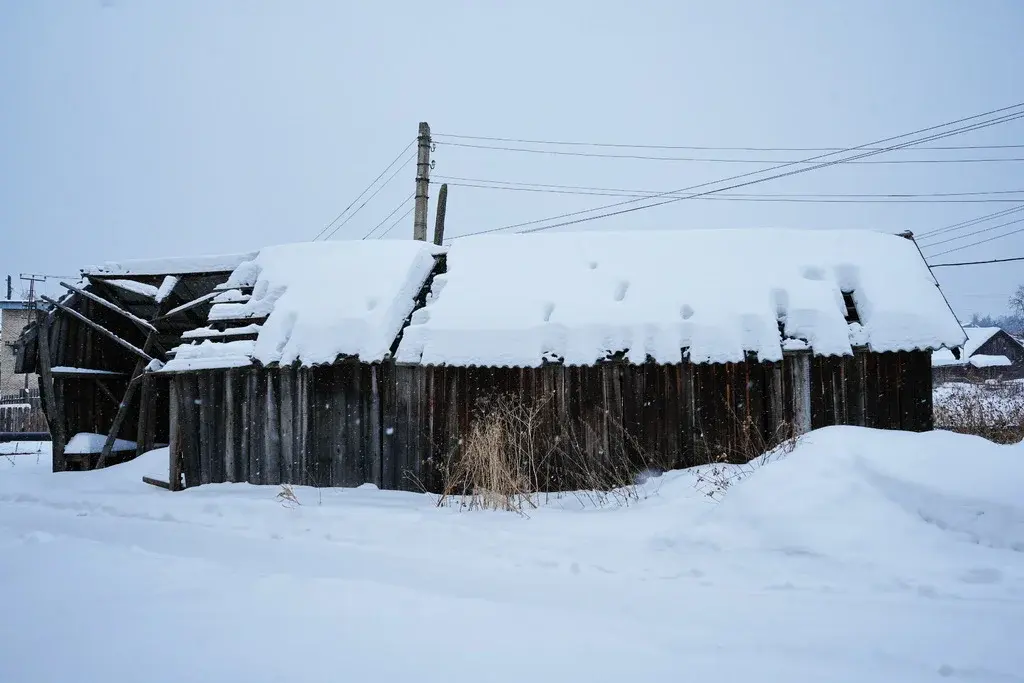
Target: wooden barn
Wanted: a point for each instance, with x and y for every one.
(342, 363)
(95, 348)
(988, 353)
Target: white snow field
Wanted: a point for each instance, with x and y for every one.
(860, 556)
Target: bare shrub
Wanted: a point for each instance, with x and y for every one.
(516, 456)
(752, 449)
(992, 410)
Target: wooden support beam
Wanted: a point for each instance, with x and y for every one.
(185, 307)
(122, 411)
(99, 328)
(139, 322)
(106, 391)
(157, 482)
(55, 414)
(144, 431)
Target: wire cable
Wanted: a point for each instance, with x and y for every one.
(399, 220)
(375, 193)
(643, 157)
(935, 136)
(385, 219)
(811, 199)
(566, 143)
(977, 263)
(974, 244)
(773, 194)
(972, 234)
(338, 217)
(968, 223)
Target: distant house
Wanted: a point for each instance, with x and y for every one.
(988, 353)
(15, 314)
(342, 363)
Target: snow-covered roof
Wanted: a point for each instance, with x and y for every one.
(171, 266)
(516, 300)
(976, 338)
(321, 300)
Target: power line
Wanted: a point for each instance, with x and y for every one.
(974, 244)
(771, 194)
(393, 211)
(808, 199)
(391, 177)
(928, 138)
(338, 217)
(970, 222)
(977, 263)
(397, 221)
(700, 147)
(644, 157)
(972, 234)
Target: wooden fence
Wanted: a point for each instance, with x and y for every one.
(22, 413)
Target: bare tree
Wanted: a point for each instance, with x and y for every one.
(1017, 302)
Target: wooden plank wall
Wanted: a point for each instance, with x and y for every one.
(396, 426)
(311, 426)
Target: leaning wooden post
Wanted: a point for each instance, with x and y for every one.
(129, 394)
(442, 206)
(55, 414)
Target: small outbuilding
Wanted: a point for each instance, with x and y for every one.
(343, 363)
(988, 353)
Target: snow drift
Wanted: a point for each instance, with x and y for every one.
(862, 555)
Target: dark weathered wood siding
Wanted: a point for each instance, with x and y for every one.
(394, 426)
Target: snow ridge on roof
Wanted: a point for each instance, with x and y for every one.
(171, 265)
(321, 300)
(518, 300)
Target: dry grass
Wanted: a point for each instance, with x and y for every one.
(514, 459)
(993, 410)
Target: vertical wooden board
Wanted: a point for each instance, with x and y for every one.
(300, 422)
(174, 473)
(341, 434)
(817, 367)
(408, 477)
(206, 418)
(243, 408)
(218, 465)
(799, 367)
(687, 406)
(286, 421)
(925, 408)
(904, 377)
(190, 415)
(254, 437)
(756, 415)
(388, 411)
(407, 416)
(230, 426)
(272, 429)
(374, 429)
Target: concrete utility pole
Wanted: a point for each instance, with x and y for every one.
(419, 223)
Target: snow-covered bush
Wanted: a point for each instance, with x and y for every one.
(993, 410)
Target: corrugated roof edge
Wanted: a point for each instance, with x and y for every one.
(624, 360)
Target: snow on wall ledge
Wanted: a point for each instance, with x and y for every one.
(516, 300)
(321, 300)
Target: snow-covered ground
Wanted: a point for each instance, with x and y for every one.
(861, 556)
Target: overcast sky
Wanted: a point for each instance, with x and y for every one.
(134, 129)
